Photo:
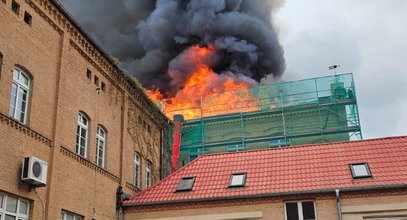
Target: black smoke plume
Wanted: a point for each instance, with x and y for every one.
(146, 35)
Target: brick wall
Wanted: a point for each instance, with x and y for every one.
(355, 206)
(57, 56)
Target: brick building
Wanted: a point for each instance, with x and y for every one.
(64, 101)
(354, 180)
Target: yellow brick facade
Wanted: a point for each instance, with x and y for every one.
(56, 56)
(354, 206)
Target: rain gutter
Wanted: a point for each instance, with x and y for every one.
(350, 189)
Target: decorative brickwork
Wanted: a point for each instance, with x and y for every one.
(24, 129)
(89, 164)
(132, 187)
(47, 12)
(91, 53)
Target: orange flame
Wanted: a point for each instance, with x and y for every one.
(206, 93)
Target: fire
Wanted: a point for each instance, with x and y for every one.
(154, 94)
(206, 93)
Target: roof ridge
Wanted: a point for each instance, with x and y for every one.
(303, 145)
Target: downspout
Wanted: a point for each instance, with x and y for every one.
(338, 204)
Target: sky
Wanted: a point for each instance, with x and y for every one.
(366, 37)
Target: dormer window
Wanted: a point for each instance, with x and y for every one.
(186, 184)
(237, 180)
(360, 170)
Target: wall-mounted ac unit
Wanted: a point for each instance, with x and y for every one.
(34, 171)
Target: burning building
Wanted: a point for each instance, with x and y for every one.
(309, 111)
(206, 59)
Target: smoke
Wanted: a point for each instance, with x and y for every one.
(149, 37)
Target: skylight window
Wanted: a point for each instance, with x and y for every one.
(186, 184)
(360, 170)
(237, 180)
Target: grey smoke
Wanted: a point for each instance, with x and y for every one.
(148, 35)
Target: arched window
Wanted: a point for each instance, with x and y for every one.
(20, 90)
(100, 146)
(137, 170)
(82, 135)
(148, 174)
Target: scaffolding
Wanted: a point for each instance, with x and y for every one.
(315, 110)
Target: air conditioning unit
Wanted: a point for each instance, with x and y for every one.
(34, 171)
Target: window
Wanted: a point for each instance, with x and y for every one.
(103, 86)
(27, 18)
(15, 7)
(96, 80)
(186, 184)
(82, 135)
(300, 210)
(20, 89)
(13, 208)
(279, 143)
(236, 147)
(100, 146)
(360, 170)
(1, 62)
(88, 73)
(237, 180)
(148, 174)
(137, 170)
(69, 216)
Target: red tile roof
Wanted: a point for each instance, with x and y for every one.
(285, 170)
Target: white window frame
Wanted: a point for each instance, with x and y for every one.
(81, 126)
(149, 178)
(279, 143)
(100, 146)
(232, 183)
(366, 167)
(236, 147)
(20, 86)
(137, 170)
(299, 206)
(64, 215)
(17, 215)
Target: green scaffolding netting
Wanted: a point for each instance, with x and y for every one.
(309, 111)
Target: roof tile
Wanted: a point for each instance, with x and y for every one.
(288, 169)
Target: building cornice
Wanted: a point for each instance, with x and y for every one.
(63, 22)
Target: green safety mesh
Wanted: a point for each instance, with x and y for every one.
(309, 111)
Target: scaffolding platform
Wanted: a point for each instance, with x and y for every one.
(309, 111)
